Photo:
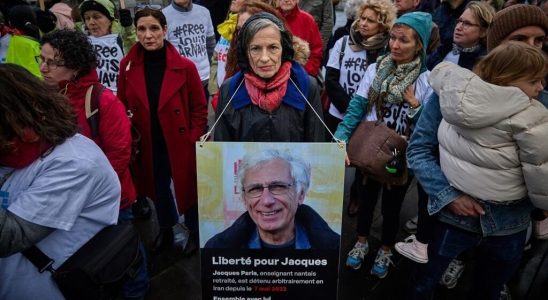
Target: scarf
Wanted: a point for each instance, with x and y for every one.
(392, 80)
(375, 42)
(458, 49)
(227, 28)
(25, 150)
(268, 94)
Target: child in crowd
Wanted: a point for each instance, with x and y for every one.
(495, 132)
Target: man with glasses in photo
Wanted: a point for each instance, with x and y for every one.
(274, 186)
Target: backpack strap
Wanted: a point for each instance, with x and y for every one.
(93, 96)
(343, 47)
(39, 259)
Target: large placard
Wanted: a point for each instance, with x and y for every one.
(248, 195)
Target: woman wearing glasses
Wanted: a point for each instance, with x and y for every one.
(67, 62)
(469, 37)
(109, 39)
(164, 93)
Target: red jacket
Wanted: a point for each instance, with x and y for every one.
(182, 111)
(302, 24)
(114, 136)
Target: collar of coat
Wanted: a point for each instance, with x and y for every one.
(292, 96)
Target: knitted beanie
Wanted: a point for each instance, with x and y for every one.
(512, 18)
(421, 22)
(103, 6)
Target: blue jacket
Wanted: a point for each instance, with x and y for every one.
(423, 158)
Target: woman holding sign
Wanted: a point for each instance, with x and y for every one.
(109, 39)
(271, 98)
(164, 93)
(392, 89)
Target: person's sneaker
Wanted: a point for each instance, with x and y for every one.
(381, 264)
(411, 225)
(505, 293)
(413, 249)
(452, 273)
(356, 255)
(540, 228)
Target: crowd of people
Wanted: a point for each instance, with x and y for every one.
(95, 92)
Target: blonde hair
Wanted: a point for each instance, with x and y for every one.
(485, 13)
(511, 61)
(384, 8)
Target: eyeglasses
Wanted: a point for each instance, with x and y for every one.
(142, 6)
(466, 24)
(275, 188)
(50, 63)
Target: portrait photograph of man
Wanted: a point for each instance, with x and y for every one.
(270, 219)
(274, 184)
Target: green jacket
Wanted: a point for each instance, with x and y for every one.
(22, 51)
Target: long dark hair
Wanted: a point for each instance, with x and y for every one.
(27, 103)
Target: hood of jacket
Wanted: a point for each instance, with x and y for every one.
(76, 90)
(302, 50)
(468, 101)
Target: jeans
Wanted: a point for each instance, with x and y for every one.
(497, 259)
(137, 286)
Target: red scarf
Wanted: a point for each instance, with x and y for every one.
(26, 149)
(268, 95)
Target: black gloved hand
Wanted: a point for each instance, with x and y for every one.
(125, 17)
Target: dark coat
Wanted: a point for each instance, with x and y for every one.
(182, 111)
(466, 59)
(237, 236)
(293, 121)
(446, 19)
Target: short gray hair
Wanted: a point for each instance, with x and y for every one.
(298, 168)
(256, 26)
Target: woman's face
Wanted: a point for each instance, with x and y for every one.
(368, 25)
(97, 23)
(235, 5)
(287, 5)
(265, 52)
(468, 31)
(52, 67)
(150, 33)
(404, 46)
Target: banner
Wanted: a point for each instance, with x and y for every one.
(270, 219)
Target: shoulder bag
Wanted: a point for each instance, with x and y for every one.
(379, 152)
